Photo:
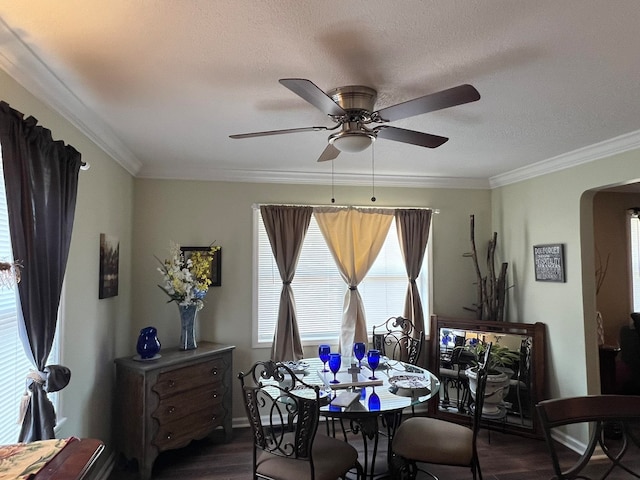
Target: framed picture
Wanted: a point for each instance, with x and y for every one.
(216, 264)
(548, 261)
(109, 260)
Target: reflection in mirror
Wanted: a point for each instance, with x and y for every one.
(510, 371)
(517, 362)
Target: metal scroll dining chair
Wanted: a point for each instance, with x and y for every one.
(614, 422)
(283, 413)
(398, 339)
(436, 441)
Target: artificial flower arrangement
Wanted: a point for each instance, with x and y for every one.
(187, 281)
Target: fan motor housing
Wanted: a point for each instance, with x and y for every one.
(354, 98)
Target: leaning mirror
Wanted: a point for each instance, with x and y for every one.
(517, 361)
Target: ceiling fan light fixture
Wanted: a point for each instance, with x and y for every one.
(352, 142)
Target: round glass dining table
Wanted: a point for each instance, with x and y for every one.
(370, 407)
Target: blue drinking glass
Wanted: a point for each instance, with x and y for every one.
(373, 358)
(323, 352)
(334, 365)
(359, 350)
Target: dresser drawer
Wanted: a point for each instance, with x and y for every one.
(180, 432)
(187, 378)
(180, 405)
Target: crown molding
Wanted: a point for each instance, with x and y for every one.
(590, 153)
(305, 178)
(22, 64)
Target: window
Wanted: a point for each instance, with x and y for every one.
(634, 237)
(13, 361)
(319, 289)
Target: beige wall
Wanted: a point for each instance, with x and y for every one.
(198, 213)
(558, 208)
(94, 331)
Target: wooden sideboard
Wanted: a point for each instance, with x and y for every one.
(165, 403)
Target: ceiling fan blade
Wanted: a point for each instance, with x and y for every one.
(329, 153)
(278, 132)
(429, 103)
(310, 92)
(410, 136)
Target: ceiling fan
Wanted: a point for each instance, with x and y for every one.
(352, 110)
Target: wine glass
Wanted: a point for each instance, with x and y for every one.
(359, 349)
(334, 365)
(373, 359)
(323, 352)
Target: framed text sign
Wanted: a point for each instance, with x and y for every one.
(548, 261)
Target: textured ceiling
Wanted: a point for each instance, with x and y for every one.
(161, 85)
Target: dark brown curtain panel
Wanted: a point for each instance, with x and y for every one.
(286, 228)
(41, 179)
(412, 226)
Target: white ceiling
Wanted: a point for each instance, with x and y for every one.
(160, 85)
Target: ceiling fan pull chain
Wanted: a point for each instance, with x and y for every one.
(373, 175)
(333, 198)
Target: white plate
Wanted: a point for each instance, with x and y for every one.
(138, 358)
(409, 381)
(297, 367)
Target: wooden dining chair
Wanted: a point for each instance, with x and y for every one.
(440, 442)
(614, 426)
(283, 413)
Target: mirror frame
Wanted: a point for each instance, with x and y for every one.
(538, 391)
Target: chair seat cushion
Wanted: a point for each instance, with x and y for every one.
(332, 458)
(430, 440)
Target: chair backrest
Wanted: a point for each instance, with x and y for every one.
(524, 363)
(614, 427)
(480, 389)
(283, 422)
(398, 339)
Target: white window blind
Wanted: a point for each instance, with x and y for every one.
(14, 364)
(634, 236)
(319, 289)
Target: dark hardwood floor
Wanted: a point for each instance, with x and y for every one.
(502, 457)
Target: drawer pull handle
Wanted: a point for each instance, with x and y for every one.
(214, 371)
(169, 435)
(171, 409)
(215, 394)
(172, 383)
(213, 419)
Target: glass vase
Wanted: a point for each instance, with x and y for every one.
(148, 344)
(188, 327)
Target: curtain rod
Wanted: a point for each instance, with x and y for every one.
(256, 206)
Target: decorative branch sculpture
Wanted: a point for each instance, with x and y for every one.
(491, 289)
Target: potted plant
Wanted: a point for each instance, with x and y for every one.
(499, 374)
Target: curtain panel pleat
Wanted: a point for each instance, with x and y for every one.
(41, 178)
(286, 227)
(354, 237)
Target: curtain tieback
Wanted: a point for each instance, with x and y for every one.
(286, 283)
(353, 287)
(32, 377)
